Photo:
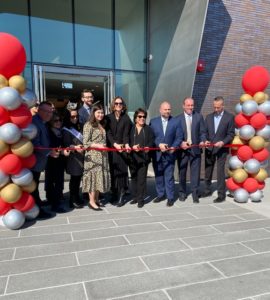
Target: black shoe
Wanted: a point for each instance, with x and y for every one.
(43, 214)
(100, 204)
(158, 199)
(94, 208)
(134, 201)
(182, 198)
(170, 203)
(196, 200)
(140, 204)
(230, 195)
(59, 210)
(206, 194)
(218, 200)
(77, 205)
(121, 201)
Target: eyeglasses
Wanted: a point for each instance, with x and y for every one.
(74, 117)
(88, 97)
(118, 103)
(140, 116)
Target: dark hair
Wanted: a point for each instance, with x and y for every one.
(86, 91)
(92, 119)
(124, 108)
(54, 116)
(66, 119)
(139, 110)
(45, 103)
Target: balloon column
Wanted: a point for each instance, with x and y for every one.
(16, 130)
(249, 158)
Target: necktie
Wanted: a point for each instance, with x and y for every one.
(189, 123)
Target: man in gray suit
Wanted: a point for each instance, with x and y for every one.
(219, 131)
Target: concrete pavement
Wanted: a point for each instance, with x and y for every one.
(204, 251)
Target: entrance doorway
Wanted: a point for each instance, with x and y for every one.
(60, 85)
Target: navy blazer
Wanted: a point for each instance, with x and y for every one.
(83, 115)
(225, 131)
(173, 135)
(198, 131)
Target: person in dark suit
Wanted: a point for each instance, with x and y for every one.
(219, 131)
(194, 133)
(141, 136)
(168, 134)
(87, 98)
(43, 115)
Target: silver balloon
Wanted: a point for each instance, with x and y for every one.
(32, 213)
(238, 108)
(246, 132)
(241, 196)
(256, 196)
(264, 132)
(30, 131)
(265, 108)
(235, 162)
(10, 98)
(249, 107)
(236, 131)
(25, 177)
(10, 133)
(14, 219)
(264, 164)
(4, 179)
(29, 98)
(252, 166)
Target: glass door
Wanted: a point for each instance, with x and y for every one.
(61, 85)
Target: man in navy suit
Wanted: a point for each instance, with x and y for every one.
(87, 98)
(194, 134)
(219, 131)
(168, 134)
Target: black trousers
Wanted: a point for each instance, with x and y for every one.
(138, 181)
(210, 160)
(74, 189)
(35, 193)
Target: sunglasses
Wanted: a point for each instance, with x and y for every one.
(118, 103)
(74, 117)
(141, 117)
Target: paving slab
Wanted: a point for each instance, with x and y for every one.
(6, 254)
(157, 295)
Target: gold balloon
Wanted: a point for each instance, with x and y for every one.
(245, 97)
(22, 148)
(4, 148)
(261, 175)
(11, 193)
(18, 83)
(259, 97)
(257, 143)
(266, 96)
(3, 81)
(230, 173)
(237, 141)
(30, 187)
(239, 175)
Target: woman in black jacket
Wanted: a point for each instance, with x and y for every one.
(141, 136)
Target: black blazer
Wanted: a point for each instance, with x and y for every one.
(225, 131)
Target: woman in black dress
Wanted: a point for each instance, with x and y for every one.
(73, 139)
(141, 136)
(118, 128)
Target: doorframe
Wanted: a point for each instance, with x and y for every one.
(39, 71)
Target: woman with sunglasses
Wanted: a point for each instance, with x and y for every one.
(54, 172)
(118, 128)
(73, 140)
(96, 176)
(141, 136)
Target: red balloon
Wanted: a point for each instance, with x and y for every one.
(21, 116)
(268, 120)
(10, 164)
(244, 153)
(4, 207)
(233, 152)
(241, 120)
(261, 155)
(258, 120)
(255, 80)
(200, 65)
(13, 56)
(25, 203)
(4, 117)
(232, 185)
(29, 161)
(261, 185)
(250, 185)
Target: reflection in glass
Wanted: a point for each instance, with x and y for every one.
(93, 33)
(14, 20)
(130, 34)
(27, 74)
(131, 87)
(52, 34)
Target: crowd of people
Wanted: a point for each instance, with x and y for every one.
(77, 143)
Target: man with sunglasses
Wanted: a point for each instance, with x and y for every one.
(87, 98)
